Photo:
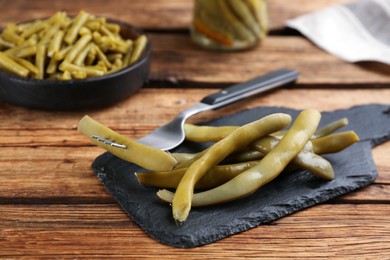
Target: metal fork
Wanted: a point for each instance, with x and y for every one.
(172, 134)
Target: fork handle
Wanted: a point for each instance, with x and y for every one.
(252, 87)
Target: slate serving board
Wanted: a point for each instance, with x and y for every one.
(289, 192)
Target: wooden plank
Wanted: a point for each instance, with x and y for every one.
(177, 59)
(150, 108)
(105, 231)
(63, 174)
(50, 174)
(279, 11)
(155, 14)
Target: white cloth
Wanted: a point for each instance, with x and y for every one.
(358, 31)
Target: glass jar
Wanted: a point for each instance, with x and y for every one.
(229, 24)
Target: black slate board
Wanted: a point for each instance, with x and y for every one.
(354, 168)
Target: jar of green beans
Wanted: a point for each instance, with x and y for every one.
(229, 24)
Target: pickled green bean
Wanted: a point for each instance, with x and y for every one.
(55, 44)
(237, 140)
(334, 143)
(10, 65)
(139, 46)
(212, 178)
(40, 58)
(239, 28)
(331, 128)
(242, 10)
(306, 159)
(250, 180)
(133, 152)
(73, 31)
(207, 133)
(78, 47)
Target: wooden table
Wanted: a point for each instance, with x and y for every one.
(53, 206)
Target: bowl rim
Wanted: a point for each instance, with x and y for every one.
(56, 82)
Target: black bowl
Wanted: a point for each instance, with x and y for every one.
(76, 94)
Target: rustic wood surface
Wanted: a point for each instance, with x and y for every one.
(53, 206)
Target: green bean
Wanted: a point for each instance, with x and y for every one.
(207, 133)
(107, 32)
(212, 178)
(52, 66)
(239, 28)
(91, 56)
(112, 57)
(93, 25)
(188, 162)
(73, 31)
(34, 28)
(215, 133)
(90, 71)
(79, 61)
(127, 56)
(181, 157)
(20, 28)
(101, 56)
(6, 44)
(331, 127)
(26, 44)
(80, 74)
(334, 143)
(10, 36)
(306, 159)
(243, 156)
(259, 9)
(28, 65)
(58, 18)
(120, 46)
(116, 65)
(209, 21)
(66, 75)
(49, 34)
(55, 44)
(114, 28)
(84, 30)
(239, 139)
(242, 10)
(133, 152)
(314, 164)
(8, 64)
(78, 47)
(40, 61)
(60, 55)
(268, 168)
(26, 52)
(139, 46)
(185, 160)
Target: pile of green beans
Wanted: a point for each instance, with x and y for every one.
(240, 161)
(62, 47)
(229, 24)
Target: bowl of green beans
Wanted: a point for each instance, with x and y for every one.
(67, 63)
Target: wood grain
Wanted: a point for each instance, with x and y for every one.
(104, 230)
